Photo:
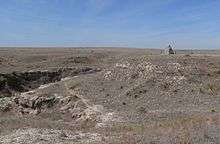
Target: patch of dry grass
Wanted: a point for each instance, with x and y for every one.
(10, 123)
(181, 130)
(209, 88)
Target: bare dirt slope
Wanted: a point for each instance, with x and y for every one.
(109, 95)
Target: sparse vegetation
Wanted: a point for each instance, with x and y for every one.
(121, 96)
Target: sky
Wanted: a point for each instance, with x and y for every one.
(185, 24)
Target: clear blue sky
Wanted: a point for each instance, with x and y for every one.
(125, 23)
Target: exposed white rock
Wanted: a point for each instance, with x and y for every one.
(45, 136)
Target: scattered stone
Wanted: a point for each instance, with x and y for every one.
(34, 135)
(5, 104)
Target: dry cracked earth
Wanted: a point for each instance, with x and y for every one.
(109, 96)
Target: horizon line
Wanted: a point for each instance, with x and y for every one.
(208, 49)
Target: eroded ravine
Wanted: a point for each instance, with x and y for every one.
(18, 82)
(46, 91)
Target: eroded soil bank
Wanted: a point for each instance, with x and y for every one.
(18, 82)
